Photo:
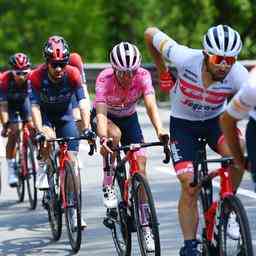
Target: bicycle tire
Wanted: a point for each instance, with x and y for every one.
(21, 184)
(233, 204)
(53, 203)
(138, 182)
(31, 176)
(121, 233)
(74, 234)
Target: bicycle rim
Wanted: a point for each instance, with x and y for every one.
(140, 186)
(21, 185)
(73, 208)
(31, 176)
(228, 244)
(120, 232)
(53, 204)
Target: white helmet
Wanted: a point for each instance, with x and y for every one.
(222, 40)
(125, 56)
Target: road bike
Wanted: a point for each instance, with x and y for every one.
(26, 163)
(64, 193)
(218, 214)
(132, 193)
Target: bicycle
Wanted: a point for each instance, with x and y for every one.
(127, 217)
(216, 214)
(25, 163)
(64, 193)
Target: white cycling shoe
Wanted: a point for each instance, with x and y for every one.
(109, 197)
(233, 230)
(74, 221)
(149, 239)
(42, 180)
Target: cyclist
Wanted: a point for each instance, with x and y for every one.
(14, 97)
(205, 78)
(118, 90)
(243, 103)
(53, 86)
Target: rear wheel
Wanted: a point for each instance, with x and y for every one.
(236, 241)
(31, 176)
(73, 209)
(52, 203)
(145, 217)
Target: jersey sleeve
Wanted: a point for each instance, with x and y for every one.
(146, 82)
(173, 52)
(239, 76)
(76, 82)
(3, 89)
(34, 85)
(244, 100)
(100, 88)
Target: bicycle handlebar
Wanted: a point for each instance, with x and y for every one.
(137, 146)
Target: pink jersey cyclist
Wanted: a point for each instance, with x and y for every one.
(121, 102)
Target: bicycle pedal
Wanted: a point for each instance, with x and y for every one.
(107, 222)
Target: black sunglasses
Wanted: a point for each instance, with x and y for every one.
(20, 72)
(58, 64)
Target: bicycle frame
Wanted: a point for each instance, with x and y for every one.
(226, 190)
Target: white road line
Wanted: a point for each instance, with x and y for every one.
(241, 191)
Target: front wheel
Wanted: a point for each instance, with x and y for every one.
(31, 176)
(145, 217)
(73, 209)
(18, 170)
(52, 203)
(234, 234)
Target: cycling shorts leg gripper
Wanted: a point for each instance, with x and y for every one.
(184, 167)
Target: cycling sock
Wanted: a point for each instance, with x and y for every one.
(108, 174)
(10, 163)
(144, 209)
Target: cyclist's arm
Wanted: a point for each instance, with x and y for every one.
(102, 121)
(4, 112)
(229, 128)
(37, 117)
(152, 111)
(155, 53)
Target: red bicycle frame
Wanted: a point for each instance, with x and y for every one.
(226, 189)
(63, 156)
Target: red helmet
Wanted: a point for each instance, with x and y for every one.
(19, 61)
(56, 49)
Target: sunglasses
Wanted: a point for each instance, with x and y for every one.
(21, 72)
(220, 60)
(58, 64)
(126, 74)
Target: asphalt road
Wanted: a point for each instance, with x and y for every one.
(26, 232)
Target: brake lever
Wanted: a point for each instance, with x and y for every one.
(167, 153)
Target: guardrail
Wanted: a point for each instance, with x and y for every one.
(93, 69)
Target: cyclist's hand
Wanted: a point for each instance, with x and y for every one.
(89, 134)
(105, 149)
(4, 132)
(163, 136)
(166, 81)
(40, 137)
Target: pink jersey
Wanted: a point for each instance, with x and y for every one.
(122, 102)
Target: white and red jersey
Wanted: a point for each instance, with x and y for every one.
(244, 102)
(121, 101)
(190, 100)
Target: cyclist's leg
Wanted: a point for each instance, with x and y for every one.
(184, 145)
(41, 177)
(109, 197)
(250, 145)
(217, 142)
(11, 151)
